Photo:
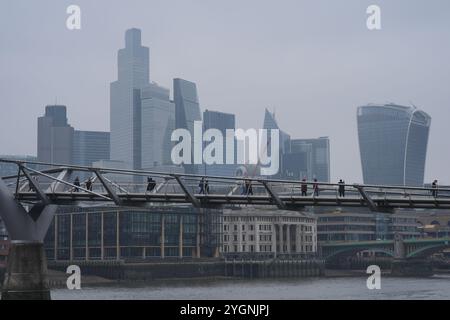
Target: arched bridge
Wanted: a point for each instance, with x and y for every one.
(398, 248)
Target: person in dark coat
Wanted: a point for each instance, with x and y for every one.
(341, 188)
(151, 184)
(304, 187)
(76, 183)
(316, 188)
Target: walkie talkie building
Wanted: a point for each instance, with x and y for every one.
(393, 143)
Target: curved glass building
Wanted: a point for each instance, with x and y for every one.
(393, 143)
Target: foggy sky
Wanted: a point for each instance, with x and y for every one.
(313, 62)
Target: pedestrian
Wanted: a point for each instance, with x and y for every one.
(341, 188)
(316, 188)
(89, 184)
(76, 183)
(249, 188)
(206, 187)
(201, 186)
(434, 186)
(304, 187)
(151, 184)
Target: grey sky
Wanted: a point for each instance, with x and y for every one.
(313, 61)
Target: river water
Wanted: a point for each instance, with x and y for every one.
(353, 288)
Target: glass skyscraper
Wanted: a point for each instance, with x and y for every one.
(158, 122)
(90, 147)
(220, 121)
(317, 152)
(284, 142)
(125, 100)
(187, 110)
(393, 143)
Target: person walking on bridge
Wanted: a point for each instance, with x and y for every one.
(201, 186)
(89, 184)
(341, 188)
(316, 188)
(206, 189)
(76, 183)
(434, 186)
(151, 184)
(304, 187)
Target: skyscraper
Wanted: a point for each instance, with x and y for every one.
(125, 100)
(55, 136)
(187, 110)
(393, 143)
(220, 121)
(158, 122)
(59, 143)
(317, 153)
(284, 142)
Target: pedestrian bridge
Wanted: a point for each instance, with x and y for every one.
(397, 248)
(54, 184)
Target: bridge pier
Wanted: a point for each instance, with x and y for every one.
(411, 268)
(26, 273)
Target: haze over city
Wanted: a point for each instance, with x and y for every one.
(312, 62)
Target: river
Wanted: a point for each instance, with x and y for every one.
(353, 288)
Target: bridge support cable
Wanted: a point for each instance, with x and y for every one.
(70, 184)
(370, 203)
(56, 186)
(108, 188)
(195, 202)
(35, 186)
(280, 204)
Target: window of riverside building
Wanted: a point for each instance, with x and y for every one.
(109, 229)
(79, 230)
(94, 227)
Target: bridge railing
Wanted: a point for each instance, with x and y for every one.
(109, 184)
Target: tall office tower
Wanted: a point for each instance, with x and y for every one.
(393, 143)
(187, 110)
(158, 123)
(285, 146)
(55, 136)
(220, 121)
(318, 157)
(125, 100)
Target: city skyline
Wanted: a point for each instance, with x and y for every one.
(427, 91)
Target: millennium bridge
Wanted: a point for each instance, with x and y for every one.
(30, 198)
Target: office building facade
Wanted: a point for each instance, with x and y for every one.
(133, 234)
(268, 231)
(90, 147)
(55, 136)
(157, 125)
(317, 154)
(187, 111)
(360, 224)
(393, 143)
(125, 100)
(220, 121)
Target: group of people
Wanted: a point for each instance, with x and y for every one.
(87, 184)
(247, 188)
(315, 187)
(203, 186)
